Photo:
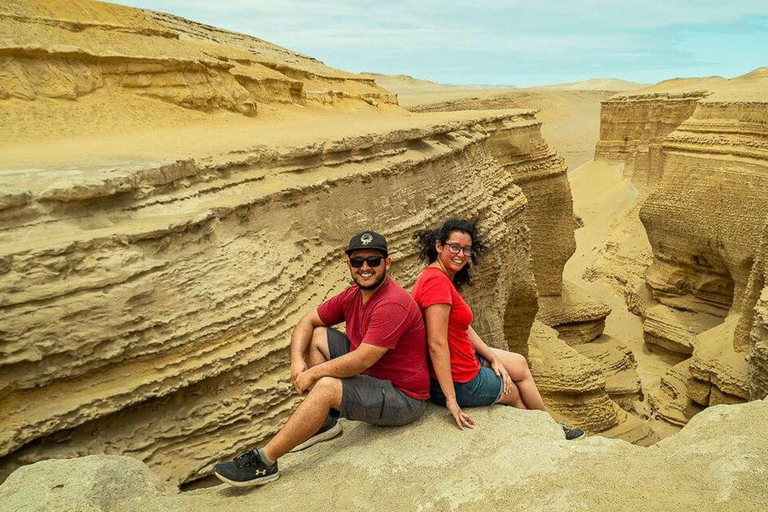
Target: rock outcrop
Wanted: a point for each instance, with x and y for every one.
(574, 314)
(634, 125)
(67, 53)
(698, 149)
(163, 323)
(433, 465)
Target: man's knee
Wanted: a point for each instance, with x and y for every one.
(320, 340)
(329, 389)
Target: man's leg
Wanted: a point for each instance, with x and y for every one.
(318, 348)
(258, 467)
(308, 418)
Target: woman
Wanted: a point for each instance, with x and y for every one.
(465, 371)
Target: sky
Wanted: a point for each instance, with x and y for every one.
(520, 43)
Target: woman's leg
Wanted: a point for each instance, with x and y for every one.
(512, 398)
(518, 370)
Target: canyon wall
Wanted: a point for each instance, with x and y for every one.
(149, 282)
(67, 52)
(699, 153)
(157, 323)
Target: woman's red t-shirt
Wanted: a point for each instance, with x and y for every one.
(434, 287)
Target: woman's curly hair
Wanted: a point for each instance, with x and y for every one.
(426, 238)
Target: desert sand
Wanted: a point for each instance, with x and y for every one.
(146, 159)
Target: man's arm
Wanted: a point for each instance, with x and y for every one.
(300, 340)
(348, 365)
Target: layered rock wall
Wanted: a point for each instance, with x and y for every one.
(632, 128)
(550, 206)
(705, 173)
(47, 53)
(156, 321)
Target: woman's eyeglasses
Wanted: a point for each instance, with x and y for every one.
(456, 249)
(372, 261)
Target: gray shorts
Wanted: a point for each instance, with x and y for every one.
(372, 400)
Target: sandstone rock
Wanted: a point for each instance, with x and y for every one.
(577, 317)
(50, 53)
(633, 125)
(573, 386)
(670, 401)
(673, 329)
(88, 484)
(716, 361)
(619, 368)
(431, 464)
(706, 138)
(727, 127)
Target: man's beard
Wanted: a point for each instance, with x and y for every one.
(371, 286)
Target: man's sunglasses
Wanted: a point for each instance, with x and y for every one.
(372, 261)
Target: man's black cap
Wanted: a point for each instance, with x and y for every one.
(367, 240)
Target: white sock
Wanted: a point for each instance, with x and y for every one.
(264, 458)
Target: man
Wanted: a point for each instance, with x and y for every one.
(376, 373)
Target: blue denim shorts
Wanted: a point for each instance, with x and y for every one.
(485, 389)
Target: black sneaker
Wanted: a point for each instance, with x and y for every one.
(246, 470)
(572, 434)
(330, 429)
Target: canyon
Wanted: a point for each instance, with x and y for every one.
(173, 197)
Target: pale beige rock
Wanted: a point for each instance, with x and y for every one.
(670, 400)
(755, 333)
(619, 368)
(573, 386)
(716, 361)
(698, 149)
(433, 465)
(574, 314)
(673, 329)
(89, 484)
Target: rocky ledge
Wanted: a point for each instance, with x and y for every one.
(514, 460)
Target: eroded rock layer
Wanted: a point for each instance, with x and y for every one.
(703, 145)
(66, 52)
(162, 321)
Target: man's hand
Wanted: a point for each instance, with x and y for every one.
(462, 419)
(306, 381)
(297, 368)
(499, 369)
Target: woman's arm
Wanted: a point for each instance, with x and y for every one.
(489, 355)
(436, 317)
(480, 347)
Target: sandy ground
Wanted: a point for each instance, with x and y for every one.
(609, 211)
(570, 118)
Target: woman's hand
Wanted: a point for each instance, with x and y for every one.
(461, 418)
(499, 369)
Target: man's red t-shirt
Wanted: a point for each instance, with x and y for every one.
(434, 287)
(390, 319)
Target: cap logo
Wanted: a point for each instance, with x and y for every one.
(366, 238)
